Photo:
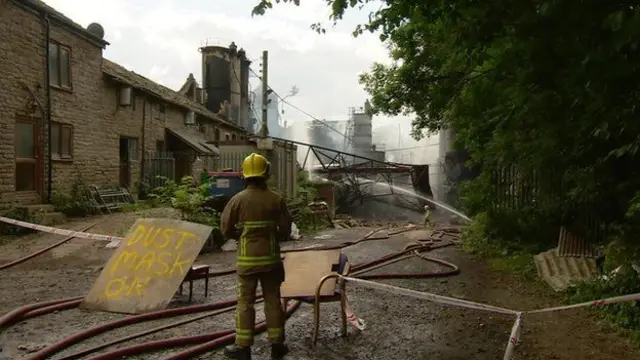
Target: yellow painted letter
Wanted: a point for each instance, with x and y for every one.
(180, 265)
(185, 235)
(126, 258)
(147, 261)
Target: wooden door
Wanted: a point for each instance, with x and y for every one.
(28, 158)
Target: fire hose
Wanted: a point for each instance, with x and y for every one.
(44, 250)
(211, 341)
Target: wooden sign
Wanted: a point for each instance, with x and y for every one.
(146, 270)
(304, 270)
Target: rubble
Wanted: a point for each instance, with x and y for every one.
(347, 222)
(31, 347)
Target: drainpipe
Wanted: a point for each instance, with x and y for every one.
(142, 141)
(47, 89)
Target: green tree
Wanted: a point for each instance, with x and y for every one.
(547, 90)
(547, 87)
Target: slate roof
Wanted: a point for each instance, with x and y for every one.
(55, 15)
(120, 74)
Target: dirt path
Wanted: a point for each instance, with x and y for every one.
(397, 327)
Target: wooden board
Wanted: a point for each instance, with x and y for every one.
(305, 269)
(148, 267)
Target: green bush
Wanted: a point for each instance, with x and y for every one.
(75, 200)
(188, 198)
(624, 315)
(16, 212)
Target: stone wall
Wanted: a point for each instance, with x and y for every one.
(22, 65)
(90, 106)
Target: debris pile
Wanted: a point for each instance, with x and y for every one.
(347, 222)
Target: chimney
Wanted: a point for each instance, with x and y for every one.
(199, 95)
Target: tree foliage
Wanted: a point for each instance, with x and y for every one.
(550, 87)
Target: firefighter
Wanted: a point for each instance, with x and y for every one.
(427, 216)
(259, 219)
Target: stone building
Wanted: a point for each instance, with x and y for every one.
(107, 125)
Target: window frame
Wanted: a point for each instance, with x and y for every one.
(58, 155)
(59, 85)
(133, 155)
(29, 161)
(161, 111)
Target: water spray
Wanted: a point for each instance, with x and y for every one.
(427, 199)
(446, 207)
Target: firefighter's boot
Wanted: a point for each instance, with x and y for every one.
(237, 352)
(278, 351)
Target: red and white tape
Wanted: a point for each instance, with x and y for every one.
(64, 232)
(516, 331)
(351, 317)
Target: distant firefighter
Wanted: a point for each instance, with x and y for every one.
(427, 216)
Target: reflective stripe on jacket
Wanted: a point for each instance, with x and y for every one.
(259, 220)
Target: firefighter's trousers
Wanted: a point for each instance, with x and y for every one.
(270, 282)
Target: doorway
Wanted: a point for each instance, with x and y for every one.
(28, 159)
(128, 154)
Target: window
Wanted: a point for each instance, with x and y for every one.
(159, 147)
(61, 141)
(133, 149)
(59, 66)
(161, 111)
(26, 162)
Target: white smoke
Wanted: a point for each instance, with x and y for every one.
(401, 147)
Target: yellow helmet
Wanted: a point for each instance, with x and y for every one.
(255, 165)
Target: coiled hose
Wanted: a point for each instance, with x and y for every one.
(211, 341)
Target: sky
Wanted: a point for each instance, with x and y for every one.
(159, 39)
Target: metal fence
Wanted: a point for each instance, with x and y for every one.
(159, 166)
(516, 190)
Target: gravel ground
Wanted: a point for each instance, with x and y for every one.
(397, 327)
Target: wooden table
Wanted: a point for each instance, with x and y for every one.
(197, 272)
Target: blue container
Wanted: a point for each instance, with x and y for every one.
(226, 183)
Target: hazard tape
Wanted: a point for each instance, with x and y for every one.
(514, 337)
(355, 321)
(52, 230)
(516, 331)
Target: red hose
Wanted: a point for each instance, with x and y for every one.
(76, 338)
(51, 308)
(91, 350)
(226, 340)
(41, 251)
(212, 340)
(12, 316)
(217, 338)
(217, 341)
(162, 344)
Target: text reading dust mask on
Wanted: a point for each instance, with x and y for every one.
(148, 267)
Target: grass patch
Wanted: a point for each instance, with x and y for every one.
(521, 265)
(625, 316)
(478, 239)
(139, 206)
